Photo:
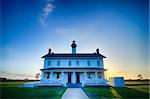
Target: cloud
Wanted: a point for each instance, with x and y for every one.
(63, 31)
(46, 10)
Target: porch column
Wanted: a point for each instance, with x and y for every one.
(52, 77)
(85, 76)
(45, 76)
(42, 76)
(49, 76)
(84, 80)
(102, 74)
(62, 78)
(96, 75)
(73, 78)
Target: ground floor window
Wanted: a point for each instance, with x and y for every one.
(47, 76)
(89, 75)
(57, 75)
(99, 75)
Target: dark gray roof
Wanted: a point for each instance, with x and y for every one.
(86, 55)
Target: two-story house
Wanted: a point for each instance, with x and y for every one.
(64, 69)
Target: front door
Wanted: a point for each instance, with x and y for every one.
(77, 78)
(69, 77)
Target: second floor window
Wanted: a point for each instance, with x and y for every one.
(88, 63)
(77, 62)
(49, 63)
(98, 63)
(69, 63)
(58, 63)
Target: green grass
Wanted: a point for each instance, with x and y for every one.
(125, 93)
(13, 91)
(96, 93)
(144, 88)
(131, 93)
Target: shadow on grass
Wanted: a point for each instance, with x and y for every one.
(98, 92)
(131, 93)
(30, 93)
(125, 93)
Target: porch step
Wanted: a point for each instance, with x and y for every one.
(77, 85)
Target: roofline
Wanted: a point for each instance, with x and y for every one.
(73, 68)
(74, 55)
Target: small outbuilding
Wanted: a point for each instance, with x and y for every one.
(117, 81)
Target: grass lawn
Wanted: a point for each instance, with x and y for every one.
(125, 93)
(97, 93)
(144, 88)
(9, 90)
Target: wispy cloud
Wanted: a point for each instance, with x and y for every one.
(46, 10)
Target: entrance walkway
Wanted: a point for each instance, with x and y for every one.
(74, 93)
(74, 85)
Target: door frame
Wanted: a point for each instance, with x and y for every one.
(69, 77)
(78, 78)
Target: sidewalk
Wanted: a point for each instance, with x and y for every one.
(74, 93)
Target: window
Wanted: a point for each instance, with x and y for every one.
(47, 76)
(98, 63)
(57, 76)
(99, 75)
(58, 63)
(69, 63)
(88, 63)
(49, 63)
(89, 75)
(77, 63)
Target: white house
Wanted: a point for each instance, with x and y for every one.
(73, 69)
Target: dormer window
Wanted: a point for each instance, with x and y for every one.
(69, 63)
(58, 63)
(49, 63)
(88, 63)
(77, 63)
(98, 63)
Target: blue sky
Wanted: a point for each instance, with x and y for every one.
(119, 28)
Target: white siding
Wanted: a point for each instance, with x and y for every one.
(65, 63)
